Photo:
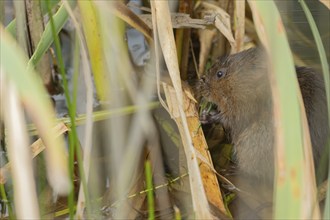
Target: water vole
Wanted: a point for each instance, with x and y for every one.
(240, 88)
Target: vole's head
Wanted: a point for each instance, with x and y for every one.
(237, 84)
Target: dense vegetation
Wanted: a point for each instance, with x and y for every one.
(100, 94)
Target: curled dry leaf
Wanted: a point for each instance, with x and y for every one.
(187, 91)
(123, 12)
(221, 21)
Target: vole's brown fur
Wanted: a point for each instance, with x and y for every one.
(243, 96)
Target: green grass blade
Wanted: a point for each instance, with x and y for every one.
(11, 27)
(104, 115)
(150, 193)
(295, 195)
(320, 48)
(325, 69)
(74, 142)
(3, 196)
(47, 39)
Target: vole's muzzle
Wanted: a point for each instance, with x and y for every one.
(209, 116)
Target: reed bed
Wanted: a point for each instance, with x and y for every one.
(100, 95)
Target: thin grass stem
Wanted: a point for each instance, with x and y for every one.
(71, 109)
(150, 193)
(8, 202)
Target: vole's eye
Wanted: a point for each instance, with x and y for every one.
(220, 74)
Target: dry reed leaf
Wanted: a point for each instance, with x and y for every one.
(188, 105)
(137, 6)
(189, 94)
(36, 148)
(326, 3)
(124, 13)
(35, 30)
(205, 39)
(167, 43)
(209, 180)
(250, 33)
(221, 22)
(163, 27)
(240, 24)
(181, 20)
